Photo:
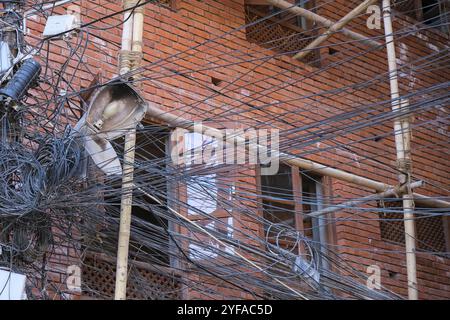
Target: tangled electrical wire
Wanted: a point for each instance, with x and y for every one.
(199, 226)
(30, 180)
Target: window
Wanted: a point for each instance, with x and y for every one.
(208, 204)
(287, 199)
(145, 280)
(209, 248)
(147, 215)
(280, 30)
(431, 229)
(151, 144)
(434, 13)
(209, 193)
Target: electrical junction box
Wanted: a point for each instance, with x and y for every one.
(12, 285)
(59, 24)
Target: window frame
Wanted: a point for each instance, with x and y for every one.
(324, 184)
(219, 213)
(170, 225)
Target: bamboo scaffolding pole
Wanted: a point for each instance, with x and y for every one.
(127, 37)
(394, 192)
(334, 28)
(127, 196)
(125, 216)
(403, 147)
(177, 121)
(307, 14)
(131, 41)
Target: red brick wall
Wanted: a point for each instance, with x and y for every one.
(188, 38)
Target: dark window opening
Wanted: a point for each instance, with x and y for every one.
(411, 8)
(278, 199)
(310, 204)
(435, 13)
(146, 277)
(282, 205)
(150, 150)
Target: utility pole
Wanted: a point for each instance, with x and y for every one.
(130, 58)
(403, 146)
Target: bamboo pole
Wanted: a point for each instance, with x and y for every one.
(127, 35)
(403, 147)
(394, 192)
(307, 14)
(127, 195)
(138, 28)
(125, 216)
(131, 41)
(180, 122)
(334, 28)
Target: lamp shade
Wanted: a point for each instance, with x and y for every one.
(114, 109)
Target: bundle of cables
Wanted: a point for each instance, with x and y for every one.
(29, 180)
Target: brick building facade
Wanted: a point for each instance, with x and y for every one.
(205, 49)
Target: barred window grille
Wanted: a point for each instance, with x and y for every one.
(430, 234)
(98, 282)
(283, 33)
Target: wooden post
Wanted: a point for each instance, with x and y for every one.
(403, 147)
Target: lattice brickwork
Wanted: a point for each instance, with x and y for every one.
(279, 38)
(429, 231)
(98, 281)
